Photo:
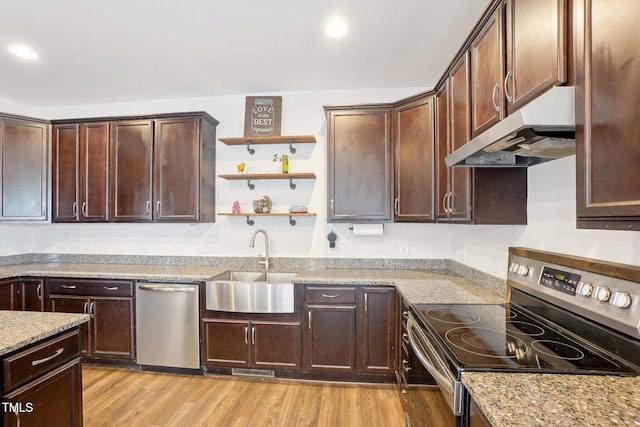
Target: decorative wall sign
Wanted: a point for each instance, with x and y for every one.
(262, 116)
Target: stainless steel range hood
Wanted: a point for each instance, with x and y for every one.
(542, 130)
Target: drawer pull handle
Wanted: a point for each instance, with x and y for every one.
(405, 365)
(405, 314)
(46, 359)
(111, 288)
(330, 295)
(69, 286)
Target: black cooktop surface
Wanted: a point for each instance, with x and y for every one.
(505, 337)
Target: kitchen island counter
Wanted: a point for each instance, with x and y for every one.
(513, 400)
(21, 328)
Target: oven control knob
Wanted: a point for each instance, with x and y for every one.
(621, 300)
(514, 267)
(601, 293)
(584, 289)
(523, 270)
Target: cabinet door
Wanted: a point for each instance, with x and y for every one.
(226, 342)
(131, 161)
(331, 338)
(276, 345)
(53, 400)
(65, 157)
(71, 304)
(359, 164)
(112, 327)
(442, 150)
(536, 48)
(177, 168)
(94, 172)
(607, 116)
(378, 339)
(24, 166)
(9, 295)
(414, 164)
(487, 73)
(459, 203)
(32, 294)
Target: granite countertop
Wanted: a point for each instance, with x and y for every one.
(115, 271)
(21, 328)
(417, 287)
(514, 400)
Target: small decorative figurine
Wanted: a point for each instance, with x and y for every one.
(241, 167)
(236, 207)
(262, 205)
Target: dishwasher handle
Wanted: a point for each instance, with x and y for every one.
(167, 288)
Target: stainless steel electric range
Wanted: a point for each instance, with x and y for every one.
(563, 314)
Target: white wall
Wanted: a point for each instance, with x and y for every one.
(551, 206)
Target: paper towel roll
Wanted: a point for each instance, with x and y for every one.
(368, 229)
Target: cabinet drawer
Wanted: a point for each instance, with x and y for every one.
(111, 288)
(33, 362)
(330, 294)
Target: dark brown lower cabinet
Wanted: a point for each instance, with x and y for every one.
(350, 330)
(477, 417)
(260, 344)
(110, 334)
(41, 390)
(22, 294)
(330, 338)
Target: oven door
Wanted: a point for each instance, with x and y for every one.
(434, 363)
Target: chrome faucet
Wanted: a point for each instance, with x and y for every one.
(252, 243)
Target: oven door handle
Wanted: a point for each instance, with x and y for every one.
(427, 355)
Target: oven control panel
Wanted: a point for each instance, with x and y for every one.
(559, 280)
(608, 300)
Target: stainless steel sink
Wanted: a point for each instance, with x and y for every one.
(249, 297)
(256, 276)
(252, 292)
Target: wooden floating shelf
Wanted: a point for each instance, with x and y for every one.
(256, 140)
(250, 176)
(250, 214)
(259, 140)
(293, 175)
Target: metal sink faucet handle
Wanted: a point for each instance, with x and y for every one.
(252, 243)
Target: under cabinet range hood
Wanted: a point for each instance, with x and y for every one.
(542, 130)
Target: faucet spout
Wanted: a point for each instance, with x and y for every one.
(252, 243)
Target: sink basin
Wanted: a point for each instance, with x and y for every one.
(256, 276)
(247, 276)
(249, 296)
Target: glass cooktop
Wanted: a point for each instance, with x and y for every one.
(505, 337)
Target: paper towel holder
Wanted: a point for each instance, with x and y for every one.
(357, 229)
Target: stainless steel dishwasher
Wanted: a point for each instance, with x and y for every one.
(168, 332)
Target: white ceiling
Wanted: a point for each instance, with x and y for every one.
(131, 50)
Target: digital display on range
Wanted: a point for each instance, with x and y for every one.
(559, 280)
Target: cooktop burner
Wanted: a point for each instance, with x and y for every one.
(503, 336)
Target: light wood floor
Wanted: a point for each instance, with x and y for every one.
(121, 397)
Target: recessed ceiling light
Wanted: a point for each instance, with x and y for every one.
(23, 51)
(336, 27)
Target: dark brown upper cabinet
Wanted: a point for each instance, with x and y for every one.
(607, 115)
(80, 171)
(536, 41)
(132, 174)
(135, 169)
(24, 157)
(359, 140)
(471, 195)
(413, 127)
(457, 200)
(487, 74)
